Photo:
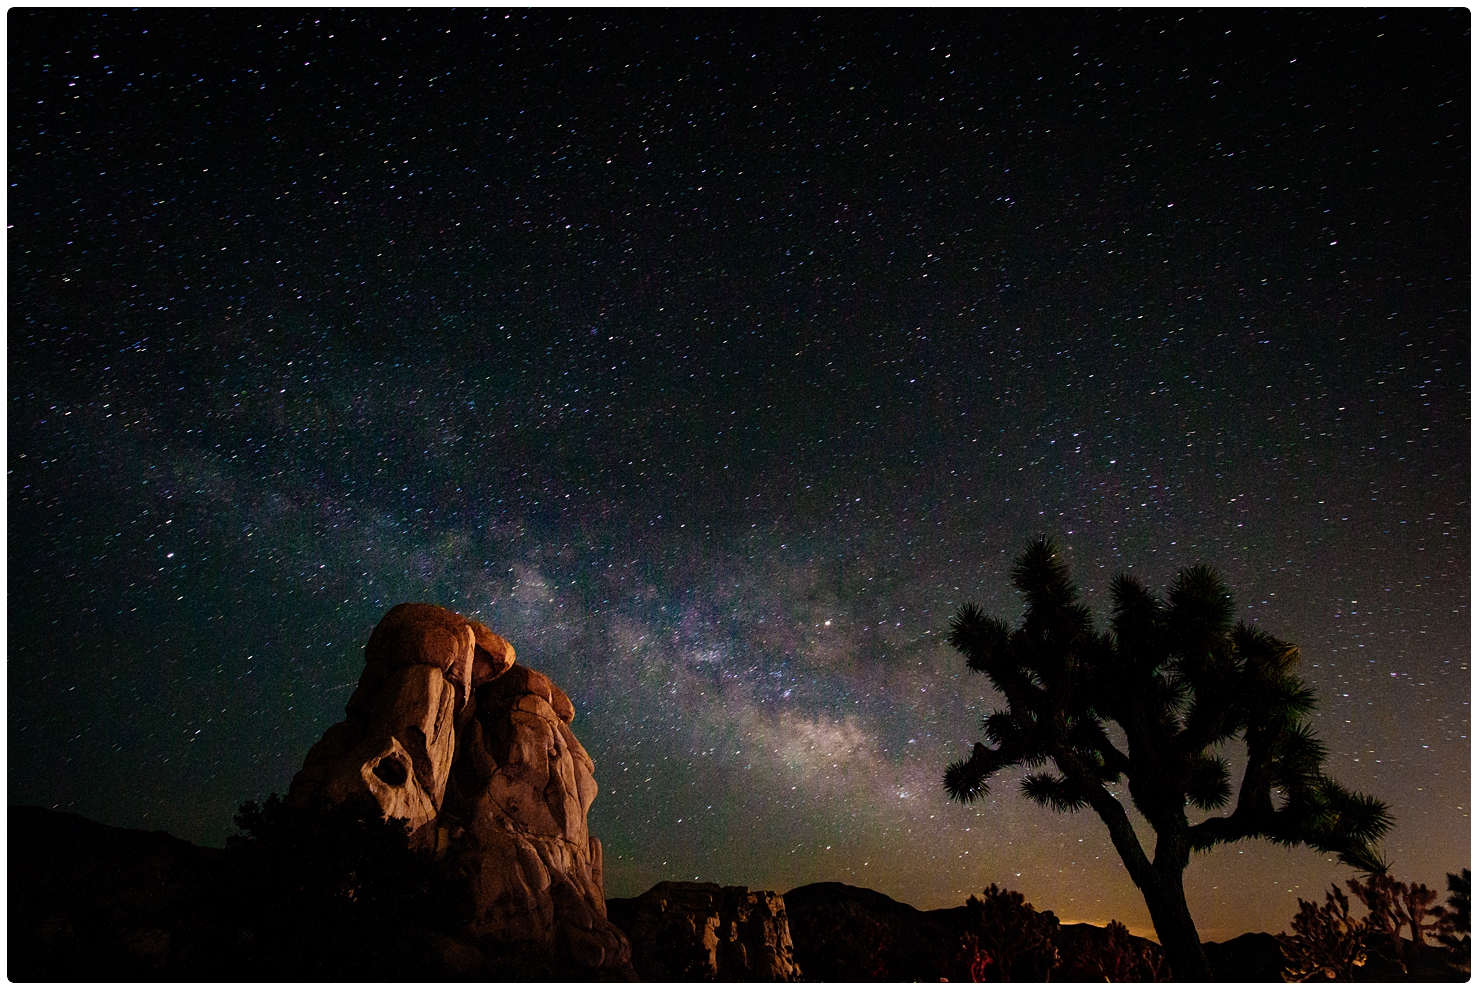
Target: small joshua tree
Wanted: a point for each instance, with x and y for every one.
(1382, 904)
(1327, 943)
(1182, 683)
(1122, 961)
(1421, 913)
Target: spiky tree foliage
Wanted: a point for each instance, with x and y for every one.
(1180, 682)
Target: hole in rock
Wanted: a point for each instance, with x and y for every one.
(391, 771)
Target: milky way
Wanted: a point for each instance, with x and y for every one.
(714, 360)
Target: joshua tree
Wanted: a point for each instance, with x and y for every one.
(1179, 681)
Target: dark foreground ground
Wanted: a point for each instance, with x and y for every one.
(90, 902)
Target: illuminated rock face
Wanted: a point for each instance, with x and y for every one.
(475, 751)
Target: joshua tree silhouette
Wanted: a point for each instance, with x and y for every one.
(1180, 681)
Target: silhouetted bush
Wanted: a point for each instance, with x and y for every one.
(1109, 955)
(328, 895)
(1458, 939)
(1008, 940)
(1327, 942)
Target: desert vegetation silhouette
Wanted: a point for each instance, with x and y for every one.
(1329, 943)
(1180, 682)
(326, 894)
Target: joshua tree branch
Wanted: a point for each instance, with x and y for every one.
(1121, 831)
(1242, 823)
(1253, 815)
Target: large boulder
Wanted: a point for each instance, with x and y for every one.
(446, 730)
(703, 932)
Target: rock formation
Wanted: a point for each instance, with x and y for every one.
(475, 751)
(703, 932)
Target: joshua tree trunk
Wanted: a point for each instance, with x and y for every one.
(1160, 883)
(1164, 895)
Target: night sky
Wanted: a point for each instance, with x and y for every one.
(714, 359)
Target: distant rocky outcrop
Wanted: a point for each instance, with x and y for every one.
(703, 932)
(475, 751)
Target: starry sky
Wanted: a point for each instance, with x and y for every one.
(714, 359)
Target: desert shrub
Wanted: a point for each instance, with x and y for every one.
(328, 894)
(1393, 906)
(1007, 939)
(1327, 942)
(975, 960)
(878, 940)
(1117, 957)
